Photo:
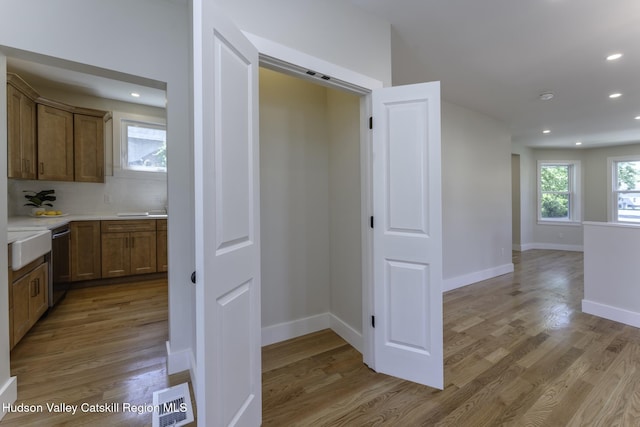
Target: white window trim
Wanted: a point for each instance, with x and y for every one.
(118, 153)
(612, 208)
(575, 191)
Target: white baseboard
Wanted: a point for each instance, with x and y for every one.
(178, 361)
(8, 393)
(295, 328)
(617, 314)
(477, 276)
(516, 247)
(349, 334)
(552, 246)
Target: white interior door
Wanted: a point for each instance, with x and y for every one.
(407, 234)
(227, 222)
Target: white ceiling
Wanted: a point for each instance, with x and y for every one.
(497, 56)
(86, 83)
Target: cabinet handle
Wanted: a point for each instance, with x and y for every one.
(33, 289)
(41, 168)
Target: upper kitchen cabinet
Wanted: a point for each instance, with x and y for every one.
(55, 143)
(21, 129)
(88, 139)
(50, 140)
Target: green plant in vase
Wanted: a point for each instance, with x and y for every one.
(38, 200)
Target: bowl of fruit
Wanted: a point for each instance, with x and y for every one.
(38, 200)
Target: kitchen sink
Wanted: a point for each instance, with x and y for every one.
(27, 246)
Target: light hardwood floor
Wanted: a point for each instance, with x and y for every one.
(518, 352)
(99, 345)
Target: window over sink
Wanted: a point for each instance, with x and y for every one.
(140, 146)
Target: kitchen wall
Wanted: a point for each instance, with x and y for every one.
(146, 41)
(117, 194)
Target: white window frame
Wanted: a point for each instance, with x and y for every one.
(120, 148)
(612, 191)
(575, 187)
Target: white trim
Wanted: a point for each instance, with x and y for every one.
(616, 314)
(516, 247)
(295, 328)
(117, 154)
(291, 60)
(8, 393)
(575, 192)
(471, 278)
(178, 361)
(350, 335)
(552, 246)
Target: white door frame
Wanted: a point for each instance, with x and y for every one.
(293, 62)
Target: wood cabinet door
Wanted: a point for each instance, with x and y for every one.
(21, 298)
(143, 252)
(161, 250)
(115, 254)
(88, 143)
(55, 144)
(21, 135)
(85, 250)
(39, 291)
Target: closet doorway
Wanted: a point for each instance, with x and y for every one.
(311, 216)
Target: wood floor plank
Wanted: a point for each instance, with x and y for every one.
(100, 345)
(517, 351)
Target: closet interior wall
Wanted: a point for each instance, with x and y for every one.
(310, 202)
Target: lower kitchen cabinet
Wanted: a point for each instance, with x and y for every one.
(29, 298)
(85, 251)
(161, 245)
(128, 248)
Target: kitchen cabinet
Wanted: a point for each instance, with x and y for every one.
(85, 251)
(128, 247)
(21, 129)
(161, 245)
(55, 143)
(29, 297)
(88, 140)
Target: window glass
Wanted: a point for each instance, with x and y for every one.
(555, 197)
(146, 147)
(626, 191)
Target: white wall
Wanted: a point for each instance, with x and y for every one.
(112, 37)
(332, 30)
(310, 208)
(344, 204)
(527, 195)
(116, 194)
(476, 196)
(515, 200)
(595, 178)
(294, 202)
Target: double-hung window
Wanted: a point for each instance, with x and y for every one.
(559, 192)
(625, 189)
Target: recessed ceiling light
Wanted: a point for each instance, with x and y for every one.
(637, 117)
(615, 95)
(545, 96)
(135, 94)
(614, 56)
(578, 143)
(546, 131)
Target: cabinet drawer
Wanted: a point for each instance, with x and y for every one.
(128, 225)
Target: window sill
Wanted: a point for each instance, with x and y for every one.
(567, 223)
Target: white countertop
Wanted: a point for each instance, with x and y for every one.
(27, 223)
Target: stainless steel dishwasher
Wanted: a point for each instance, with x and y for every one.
(60, 264)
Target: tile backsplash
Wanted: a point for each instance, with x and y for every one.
(115, 195)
